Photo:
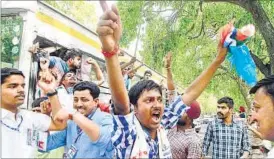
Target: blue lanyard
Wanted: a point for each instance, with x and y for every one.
(14, 129)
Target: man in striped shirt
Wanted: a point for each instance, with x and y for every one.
(141, 133)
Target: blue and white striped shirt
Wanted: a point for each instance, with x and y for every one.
(124, 130)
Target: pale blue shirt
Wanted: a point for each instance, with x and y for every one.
(102, 148)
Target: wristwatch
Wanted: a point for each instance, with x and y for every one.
(50, 94)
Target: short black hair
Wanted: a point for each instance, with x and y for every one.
(141, 86)
(227, 100)
(87, 85)
(148, 72)
(267, 83)
(71, 54)
(36, 102)
(6, 72)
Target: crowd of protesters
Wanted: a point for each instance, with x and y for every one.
(66, 120)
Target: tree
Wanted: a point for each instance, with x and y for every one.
(11, 32)
(189, 30)
(81, 11)
(263, 22)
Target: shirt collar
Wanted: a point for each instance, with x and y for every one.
(190, 131)
(4, 113)
(8, 114)
(91, 115)
(147, 134)
(186, 131)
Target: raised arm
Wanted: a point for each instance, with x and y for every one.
(109, 30)
(35, 48)
(48, 85)
(167, 65)
(97, 70)
(123, 66)
(200, 83)
(135, 69)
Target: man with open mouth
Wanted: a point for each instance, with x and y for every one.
(140, 133)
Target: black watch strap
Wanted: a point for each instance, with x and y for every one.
(52, 93)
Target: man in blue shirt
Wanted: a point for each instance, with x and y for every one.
(88, 132)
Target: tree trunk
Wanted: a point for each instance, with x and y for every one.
(263, 23)
(244, 91)
(265, 69)
(265, 27)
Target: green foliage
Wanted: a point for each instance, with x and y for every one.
(131, 17)
(11, 32)
(81, 11)
(191, 34)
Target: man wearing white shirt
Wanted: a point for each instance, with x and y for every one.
(65, 89)
(19, 127)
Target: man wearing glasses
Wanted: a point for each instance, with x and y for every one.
(65, 90)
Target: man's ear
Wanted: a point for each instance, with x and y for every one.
(96, 100)
(135, 109)
(231, 110)
(70, 60)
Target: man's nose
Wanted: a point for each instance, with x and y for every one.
(253, 117)
(20, 89)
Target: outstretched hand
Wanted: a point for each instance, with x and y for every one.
(44, 64)
(91, 61)
(225, 31)
(167, 60)
(109, 27)
(132, 60)
(34, 48)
